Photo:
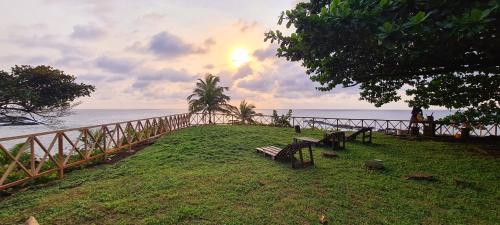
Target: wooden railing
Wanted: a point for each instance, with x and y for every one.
(348, 124)
(28, 157)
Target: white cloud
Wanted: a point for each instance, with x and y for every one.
(87, 32)
(115, 65)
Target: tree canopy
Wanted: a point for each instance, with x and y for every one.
(442, 53)
(208, 97)
(38, 94)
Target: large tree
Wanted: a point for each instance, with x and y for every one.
(39, 94)
(442, 53)
(208, 97)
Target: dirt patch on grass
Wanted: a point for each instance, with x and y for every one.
(493, 151)
(126, 153)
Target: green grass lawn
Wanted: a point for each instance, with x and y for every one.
(212, 175)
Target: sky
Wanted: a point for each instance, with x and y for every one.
(148, 54)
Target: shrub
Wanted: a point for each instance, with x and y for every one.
(283, 120)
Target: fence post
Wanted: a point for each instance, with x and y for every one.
(60, 156)
(293, 121)
(313, 123)
(337, 125)
(118, 136)
(32, 155)
(362, 123)
(103, 130)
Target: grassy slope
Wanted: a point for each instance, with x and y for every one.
(212, 175)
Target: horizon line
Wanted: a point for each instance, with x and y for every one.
(261, 109)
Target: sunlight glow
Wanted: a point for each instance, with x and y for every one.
(240, 56)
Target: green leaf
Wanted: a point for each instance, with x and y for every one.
(475, 15)
(280, 20)
(334, 4)
(324, 11)
(487, 12)
(383, 3)
(387, 27)
(419, 17)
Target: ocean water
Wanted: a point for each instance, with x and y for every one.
(358, 113)
(88, 117)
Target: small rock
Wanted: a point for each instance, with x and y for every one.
(330, 154)
(262, 182)
(31, 221)
(322, 219)
(375, 164)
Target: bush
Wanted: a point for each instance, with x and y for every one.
(283, 120)
(17, 173)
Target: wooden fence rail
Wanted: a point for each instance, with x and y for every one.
(51, 153)
(348, 124)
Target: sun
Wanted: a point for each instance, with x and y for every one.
(240, 56)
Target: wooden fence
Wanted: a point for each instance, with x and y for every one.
(51, 153)
(348, 124)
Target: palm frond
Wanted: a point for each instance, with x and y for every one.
(208, 97)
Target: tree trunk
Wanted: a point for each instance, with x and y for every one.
(209, 117)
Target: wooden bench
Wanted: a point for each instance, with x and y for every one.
(366, 135)
(334, 139)
(288, 153)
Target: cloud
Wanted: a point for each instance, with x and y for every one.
(91, 77)
(44, 42)
(165, 75)
(293, 82)
(162, 93)
(167, 45)
(115, 65)
(283, 79)
(102, 10)
(168, 75)
(244, 26)
(87, 32)
(150, 17)
(209, 42)
(242, 72)
(73, 61)
(25, 59)
(265, 53)
(296, 85)
(258, 84)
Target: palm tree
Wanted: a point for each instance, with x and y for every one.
(246, 112)
(208, 97)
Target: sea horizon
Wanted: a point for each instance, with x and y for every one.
(92, 117)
